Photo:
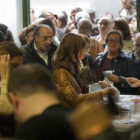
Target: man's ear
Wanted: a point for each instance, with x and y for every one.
(14, 99)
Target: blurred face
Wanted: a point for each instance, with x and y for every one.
(73, 16)
(83, 52)
(44, 39)
(105, 26)
(137, 44)
(113, 43)
(15, 62)
(29, 37)
(58, 23)
(84, 28)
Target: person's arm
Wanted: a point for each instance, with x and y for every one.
(5, 105)
(62, 81)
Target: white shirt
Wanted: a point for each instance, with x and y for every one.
(43, 55)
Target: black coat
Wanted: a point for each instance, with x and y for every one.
(137, 64)
(31, 56)
(122, 65)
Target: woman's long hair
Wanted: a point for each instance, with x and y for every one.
(122, 25)
(69, 47)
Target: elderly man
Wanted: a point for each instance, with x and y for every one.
(36, 105)
(105, 25)
(85, 27)
(41, 49)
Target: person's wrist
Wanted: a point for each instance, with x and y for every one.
(103, 92)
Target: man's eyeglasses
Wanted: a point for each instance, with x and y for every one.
(85, 29)
(113, 41)
(46, 38)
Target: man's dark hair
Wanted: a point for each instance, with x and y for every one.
(3, 28)
(76, 9)
(49, 22)
(30, 79)
(37, 29)
(2, 37)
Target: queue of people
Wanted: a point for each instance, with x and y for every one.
(45, 82)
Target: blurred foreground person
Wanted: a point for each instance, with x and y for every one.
(36, 106)
(10, 58)
(93, 122)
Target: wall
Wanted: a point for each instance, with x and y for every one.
(11, 15)
(58, 5)
(101, 6)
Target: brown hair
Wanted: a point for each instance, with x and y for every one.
(30, 28)
(70, 45)
(122, 25)
(9, 47)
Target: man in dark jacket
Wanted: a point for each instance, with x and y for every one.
(36, 106)
(40, 50)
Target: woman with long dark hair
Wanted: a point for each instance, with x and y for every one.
(66, 72)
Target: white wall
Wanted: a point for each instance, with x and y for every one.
(55, 6)
(11, 15)
(101, 6)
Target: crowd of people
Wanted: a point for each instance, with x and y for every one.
(45, 82)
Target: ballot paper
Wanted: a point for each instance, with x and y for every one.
(95, 87)
(106, 74)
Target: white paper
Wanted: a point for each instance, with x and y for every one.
(107, 73)
(95, 87)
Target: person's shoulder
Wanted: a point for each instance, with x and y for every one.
(126, 57)
(58, 109)
(51, 124)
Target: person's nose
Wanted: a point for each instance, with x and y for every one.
(48, 41)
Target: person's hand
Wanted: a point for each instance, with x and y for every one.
(108, 90)
(133, 82)
(113, 78)
(136, 100)
(103, 84)
(4, 66)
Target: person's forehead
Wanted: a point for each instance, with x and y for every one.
(73, 13)
(114, 36)
(104, 20)
(45, 30)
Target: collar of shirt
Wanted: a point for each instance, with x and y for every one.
(43, 55)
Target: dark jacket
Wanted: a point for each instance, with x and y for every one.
(31, 56)
(122, 65)
(137, 64)
(91, 72)
(137, 68)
